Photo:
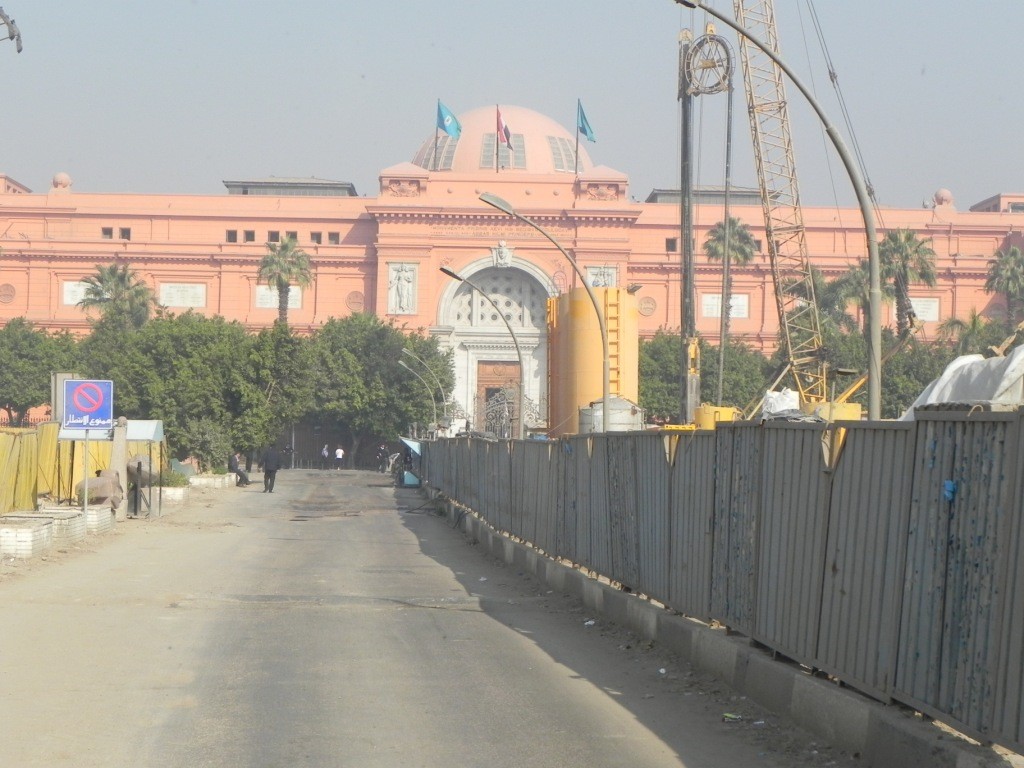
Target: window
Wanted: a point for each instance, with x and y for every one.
(107, 233)
(316, 237)
(249, 235)
(292, 235)
(333, 238)
(671, 244)
(739, 305)
(231, 236)
(273, 236)
(125, 233)
(1016, 207)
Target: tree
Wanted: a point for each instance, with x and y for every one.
(746, 375)
(283, 265)
(276, 386)
(361, 386)
(742, 248)
(906, 259)
(179, 369)
(1006, 276)
(29, 357)
(119, 294)
(742, 245)
(965, 337)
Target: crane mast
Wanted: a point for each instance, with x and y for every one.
(780, 200)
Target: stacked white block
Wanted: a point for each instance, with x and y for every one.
(99, 519)
(212, 481)
(68, 524)
(27, 538)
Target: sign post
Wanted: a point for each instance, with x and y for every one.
(88, 404)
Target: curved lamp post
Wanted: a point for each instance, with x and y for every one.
(515, 340)
(863, 199)
(430, 389)
(421, 361)
(496, 202)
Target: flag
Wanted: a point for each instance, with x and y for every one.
(447, 122)
(504, 134)
(582, 124)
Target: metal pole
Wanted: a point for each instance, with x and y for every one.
(421, 361)
(863, 199)
(496, 202)
(515, 340)
(430, 389)
(726, 308)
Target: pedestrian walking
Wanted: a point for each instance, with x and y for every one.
(270, 463)
(339, 457)
(325, 456)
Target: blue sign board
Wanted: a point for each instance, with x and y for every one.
(88, 404)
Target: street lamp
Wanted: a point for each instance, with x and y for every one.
(863, 199)
(496, 202)
(515, 340)
(430, 389)
(421, 361)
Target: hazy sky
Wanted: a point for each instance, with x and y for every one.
(176, 96)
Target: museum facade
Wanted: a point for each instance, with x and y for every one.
(383, 253)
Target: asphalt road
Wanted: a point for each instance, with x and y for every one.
(336, 622)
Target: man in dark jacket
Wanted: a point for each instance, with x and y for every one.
(271, 462)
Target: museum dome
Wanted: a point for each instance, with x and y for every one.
(539, 144)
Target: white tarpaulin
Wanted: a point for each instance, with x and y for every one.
(974, 379)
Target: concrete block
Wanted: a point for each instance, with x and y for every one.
(99, 519)
(212, 481)
(642, 618)
(68, 524)
(676, 633)
(25, 539)
(712, 652)
(835, 714)
(770, 682)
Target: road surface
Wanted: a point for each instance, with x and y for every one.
(337, 622)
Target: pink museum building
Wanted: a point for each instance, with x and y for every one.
(383, 253)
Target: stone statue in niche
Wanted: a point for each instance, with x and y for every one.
(402, 289)
(502, 255)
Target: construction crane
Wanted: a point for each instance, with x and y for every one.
(786, 238)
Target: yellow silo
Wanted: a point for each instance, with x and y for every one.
(575, 358)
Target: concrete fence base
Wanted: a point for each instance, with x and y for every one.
(883, 736)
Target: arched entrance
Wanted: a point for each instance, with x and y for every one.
(487, 372)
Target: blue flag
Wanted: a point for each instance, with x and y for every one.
(582, 124)
(447, 122)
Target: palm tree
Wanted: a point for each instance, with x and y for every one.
(283, 265)
(119, 294)
(967, 336)
(742, 245)
(905, 259)
(1006, 276)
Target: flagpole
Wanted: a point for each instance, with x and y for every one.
(576, 167)
(497, 111)
(434, 161)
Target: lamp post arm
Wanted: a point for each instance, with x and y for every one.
(515, 340)
(430, 389)
(863, 200)
(421, 361)
(601, 320)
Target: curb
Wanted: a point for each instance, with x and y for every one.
(882, 736)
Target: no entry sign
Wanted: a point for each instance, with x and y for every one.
(88, 404)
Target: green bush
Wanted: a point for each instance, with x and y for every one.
(208, 442)
(173, 480)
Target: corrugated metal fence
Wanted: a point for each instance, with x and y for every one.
(899, 569)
